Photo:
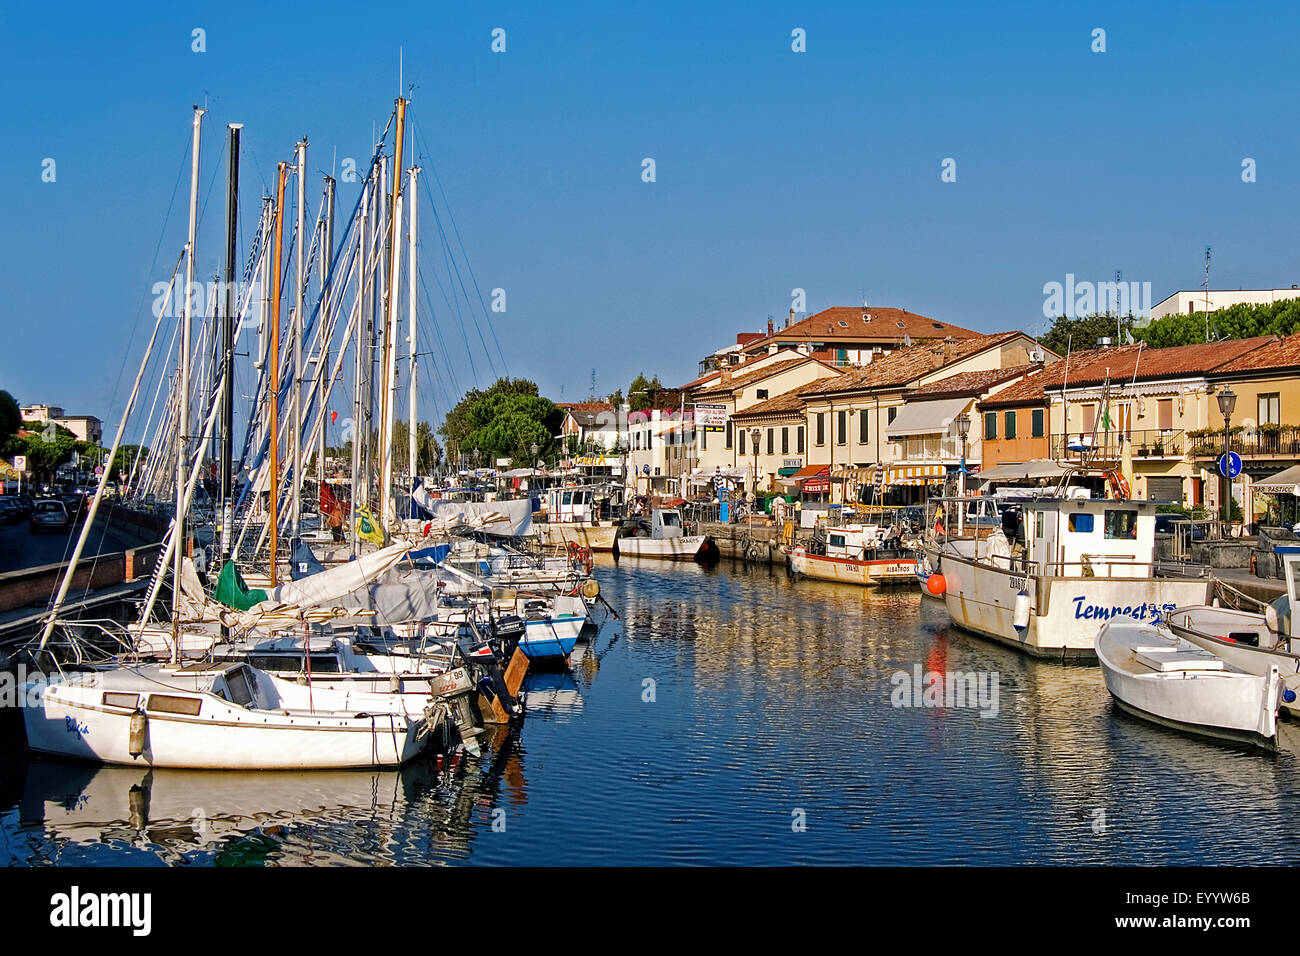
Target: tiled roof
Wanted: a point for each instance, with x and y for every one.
(749, 378)
(791, 401)
(845, 323)
(586, 406)
(1120, 363)
(904, 366)
(1272, 355)
(971, 383)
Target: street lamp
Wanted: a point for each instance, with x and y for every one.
(1227, 402)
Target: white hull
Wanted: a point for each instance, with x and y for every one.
(874, 573)
(1065, 612)
(683, 548)
(1226, 703)
(73, 720)
(1206, 627)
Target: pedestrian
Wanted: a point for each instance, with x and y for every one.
(335, 521)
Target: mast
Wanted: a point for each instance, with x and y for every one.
(183, 409)
(411, 324)
(273, 486)
(299, 329)
(388, 381)
(228, 339)
(326, 265)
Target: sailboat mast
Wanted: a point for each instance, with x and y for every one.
(273, 485)
(228, 339)
(183, 419)
(411, 328)
(388, 382)
(327, 265)
(299, 330)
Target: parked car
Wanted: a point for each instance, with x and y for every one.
(50, 514)
(10, 510)
(77, 505)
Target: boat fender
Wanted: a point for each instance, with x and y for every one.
(936, 583)
(591, 589)
(1020, 615)
(1288, 695)
(139, 729)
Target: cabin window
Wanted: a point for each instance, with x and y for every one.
(863, 431)
(167, 704)
(799, 438)
(129, 701)
(1010, 431)
(1270, 409)
(837, 541)
(990, 426)
(1036, 423)
(1121, 525)
(821, 428)
(671, 519)
(841, 428)
(567, 498)
(1081, 523)
(1040, 523)
(785, 441)
(240, 691)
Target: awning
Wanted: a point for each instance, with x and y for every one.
(811, 471)
(1024, 471)
(915, 474)
(1283, 483)
(925, 418)
(786, 472)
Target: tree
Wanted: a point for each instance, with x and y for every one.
(641, 393)
(1240, 321)
(10, 418)
(1076, 333)
(428, 453)
(503, 422)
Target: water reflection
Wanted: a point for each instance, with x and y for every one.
(724, 706)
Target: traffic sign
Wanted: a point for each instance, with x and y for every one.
(1230, 464)
(20, 462)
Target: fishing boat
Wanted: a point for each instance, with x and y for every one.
(221, 716)
(869, 554)
(662, 535)
(571, 518)
(1067, 565)
(1253, 642)
(1155, 675)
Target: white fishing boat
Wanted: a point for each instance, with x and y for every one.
(1253, 642)
(221, 716)
(1069, 566)
(571, 518)
(1160, 677)
(663, 535)
(870, 554)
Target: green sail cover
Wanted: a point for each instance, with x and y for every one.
(233, 592)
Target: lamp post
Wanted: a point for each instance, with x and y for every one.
(754, 435)
(963, 431)
(1227, 402)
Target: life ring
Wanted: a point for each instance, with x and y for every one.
(1119, 485)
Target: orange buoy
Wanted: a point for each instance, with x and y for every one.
(935, 583)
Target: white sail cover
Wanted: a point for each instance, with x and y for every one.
(507, 519)
(325, 588)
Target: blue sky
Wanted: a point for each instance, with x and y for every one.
(775, 170)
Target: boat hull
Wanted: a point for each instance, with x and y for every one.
(1206, 627)
(683, 548)
(875, 573)
(1065, 612)
(552, 637)
(594, 537)
(1227, 704)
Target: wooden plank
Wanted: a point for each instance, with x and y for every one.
(515, 672)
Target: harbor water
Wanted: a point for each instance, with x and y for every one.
(731, 716)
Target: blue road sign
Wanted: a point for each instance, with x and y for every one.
(1230, 464)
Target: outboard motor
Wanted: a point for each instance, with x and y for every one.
(485, 661)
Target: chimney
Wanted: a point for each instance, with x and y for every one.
(789, 319)
(770, 327)
(725, 375)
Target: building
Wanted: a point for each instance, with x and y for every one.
(85, 428)
(593, 426)
(1187, 301)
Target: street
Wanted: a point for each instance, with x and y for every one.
(19, 548)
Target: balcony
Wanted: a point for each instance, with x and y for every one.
(928, 448)
(1148, 443)
(1277, 442)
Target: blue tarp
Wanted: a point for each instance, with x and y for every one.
(302, 563)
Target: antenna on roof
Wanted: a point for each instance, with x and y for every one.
(1207, 293)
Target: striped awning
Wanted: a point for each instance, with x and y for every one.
(916, 474)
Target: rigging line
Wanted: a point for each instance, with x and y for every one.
(454, 270)
(424, 340)
(152, 265)
(434, 317)
(465, 255)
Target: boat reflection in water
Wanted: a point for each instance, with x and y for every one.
(423, 813)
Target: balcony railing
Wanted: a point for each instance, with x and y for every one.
(1254, 443)
(1107, 446)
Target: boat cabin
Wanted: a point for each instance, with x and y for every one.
(1090, 537)
(660, 524)
(571, 505)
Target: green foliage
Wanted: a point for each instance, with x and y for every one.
(641, 393)
(125, 459)
(1234, 322)
(10, 417)
(1077, 334)
(503, 422)
(43, 457)
(428, 453)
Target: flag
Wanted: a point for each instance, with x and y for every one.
(368, 528)
(334, 416)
